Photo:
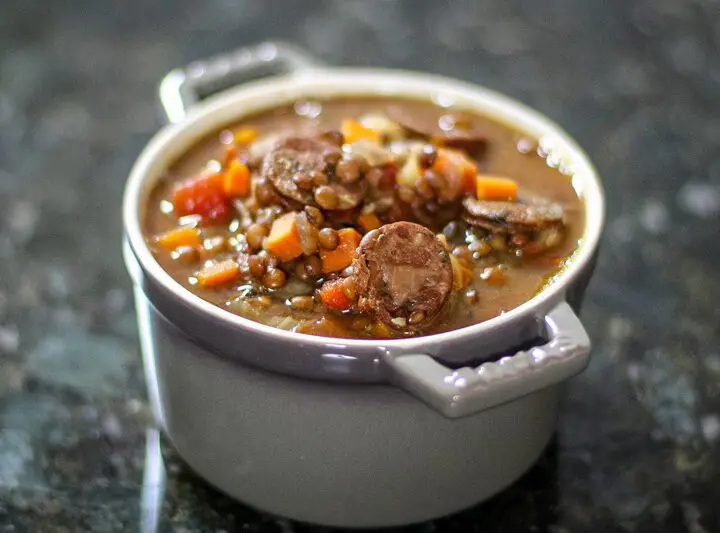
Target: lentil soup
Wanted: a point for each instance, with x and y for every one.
(364, 217)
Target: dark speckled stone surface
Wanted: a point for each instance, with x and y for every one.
(637, 82)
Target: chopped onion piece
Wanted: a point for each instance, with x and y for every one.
(410, 172)
(308, 234)
(390, 129)
(373, 153)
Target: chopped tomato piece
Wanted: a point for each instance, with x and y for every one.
(333, 296)
(204, 196)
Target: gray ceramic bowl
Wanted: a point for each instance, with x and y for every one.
(336, 431)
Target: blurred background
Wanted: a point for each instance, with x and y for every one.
(636, 82)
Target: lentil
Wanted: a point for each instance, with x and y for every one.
(302, 303)
(303, 181)
(313, 266)
(257, 265)
(263, 300)
(348, 169)
(274, 278)
(318, 178)
(416, 317)
(349, 288)
(314, 216)
(255, 235)
(264, 193)
(328, 238)
(326, 197)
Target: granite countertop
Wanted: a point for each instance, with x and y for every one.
(638, 448)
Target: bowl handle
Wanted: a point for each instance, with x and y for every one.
(183, 87)
(465, 391)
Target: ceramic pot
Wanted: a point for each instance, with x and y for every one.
(347, 432)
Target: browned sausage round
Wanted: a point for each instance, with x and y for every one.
(404, 275)
(309, 156)
(512, 217)
(466, 134)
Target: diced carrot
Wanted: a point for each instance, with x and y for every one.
(284, 238)
(353, 130)
(369, 222)
(333, 296)
(218, 273)
(469, 176)
(344, 254)
(496, 188)
(245, 136)
(180, 237)
(236, 181)
(204, 196)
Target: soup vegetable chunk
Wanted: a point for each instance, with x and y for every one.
(367, 218)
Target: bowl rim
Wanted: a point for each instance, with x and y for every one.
(232, 105)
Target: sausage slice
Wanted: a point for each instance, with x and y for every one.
(466, 134)
(309, 155)
(403, 274)
(512, 217)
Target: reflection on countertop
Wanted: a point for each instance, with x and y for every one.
(638, 449)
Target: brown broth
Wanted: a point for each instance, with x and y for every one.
(524, 277)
